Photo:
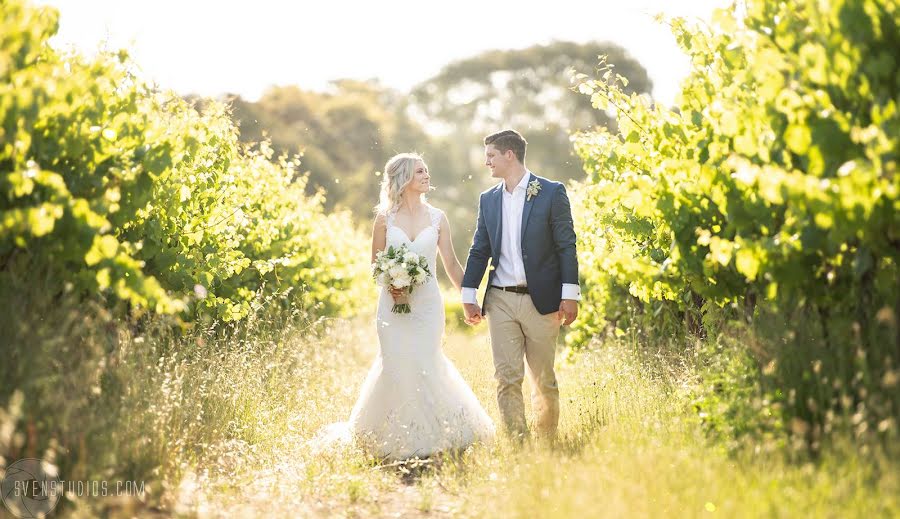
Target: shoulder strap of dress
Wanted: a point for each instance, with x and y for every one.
(435, 217)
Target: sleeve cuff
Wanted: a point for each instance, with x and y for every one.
(469, 296)
(570, 291)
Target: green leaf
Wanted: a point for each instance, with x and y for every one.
(745, 144)
(103, 247)
(729, 123)
(103, 278)
(798, 138)
(825, 221)
(184, 193)
(720, 250)
(747, 263)
(42, 219)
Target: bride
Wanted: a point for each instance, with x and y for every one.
(414, 402)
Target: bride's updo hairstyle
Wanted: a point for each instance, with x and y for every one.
(398, 173)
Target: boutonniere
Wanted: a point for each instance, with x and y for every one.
(533, 188)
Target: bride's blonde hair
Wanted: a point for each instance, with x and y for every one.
(398, 173)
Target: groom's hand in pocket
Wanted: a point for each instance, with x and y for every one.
(568, 311)
(473, 313)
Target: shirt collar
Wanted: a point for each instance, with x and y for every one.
(523, 184)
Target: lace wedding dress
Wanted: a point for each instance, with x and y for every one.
(414, 402)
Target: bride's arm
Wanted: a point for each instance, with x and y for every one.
(379, 235)
(379, 242)
(448, 255)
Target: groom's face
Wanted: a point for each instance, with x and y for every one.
(499, 163)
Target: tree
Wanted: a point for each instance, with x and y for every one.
(528, 89)
(345, 135)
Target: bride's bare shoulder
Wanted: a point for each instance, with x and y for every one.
(380, 220)
(434, 209)
(438, 218)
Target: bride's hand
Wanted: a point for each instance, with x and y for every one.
(396, 293)
(473, 314)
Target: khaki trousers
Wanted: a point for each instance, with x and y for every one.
(519, 331)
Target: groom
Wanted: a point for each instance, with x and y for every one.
(525, 230)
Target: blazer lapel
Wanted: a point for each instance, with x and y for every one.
(526, 210)
(498, 217)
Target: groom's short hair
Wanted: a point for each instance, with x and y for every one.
(508, 140)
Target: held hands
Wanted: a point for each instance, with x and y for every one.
(473, 313)
(396, 293)
(568, 310)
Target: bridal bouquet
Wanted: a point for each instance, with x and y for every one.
(398, 267)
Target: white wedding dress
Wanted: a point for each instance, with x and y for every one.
(414, 402)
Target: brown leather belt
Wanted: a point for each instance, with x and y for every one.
(517, 290)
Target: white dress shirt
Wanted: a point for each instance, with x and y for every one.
(511, 268)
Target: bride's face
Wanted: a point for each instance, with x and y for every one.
(421, 181)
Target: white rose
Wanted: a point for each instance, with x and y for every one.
(411, 257)
(395, 270)
(402, 281)
(383, 279)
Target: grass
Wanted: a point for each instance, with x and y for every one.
(221, 425)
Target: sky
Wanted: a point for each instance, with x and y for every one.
(243, 47)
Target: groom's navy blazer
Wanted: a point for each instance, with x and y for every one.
(548, 242)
